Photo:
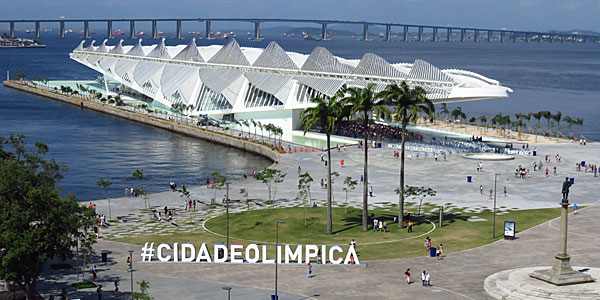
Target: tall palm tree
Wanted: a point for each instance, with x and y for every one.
(570, 123)
(538, 117)
(557, 117)
(409, 102)
(548, 116)
(527, 117)
(261, 127)
(456, 113)
(253, 125)
(444, 110)
(483, 120)
(365, 101)
(325, 114)
(579, 122)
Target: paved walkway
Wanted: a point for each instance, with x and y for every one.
(447, 177)
(458, 276)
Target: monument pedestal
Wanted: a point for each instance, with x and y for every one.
(561, 272)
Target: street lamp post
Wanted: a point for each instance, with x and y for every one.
(228, 289)
(131, 271)
(277, 255)
(494, 229)
(227, 212)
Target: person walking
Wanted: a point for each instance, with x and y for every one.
(94, 273)
(546, 171)
(410, 225)
(370, 191)
(423, 278)
(505, 191)
(407, 273)
(99, 292)
(481, 189)
(375, 221)
(116, 288)
(308, 270)
(427, 279)
(575, 207)
(299, 170)
(342, 163)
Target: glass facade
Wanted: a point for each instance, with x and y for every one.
(259, 98)
(209, 100)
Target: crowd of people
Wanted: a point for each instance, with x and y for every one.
(376, 131)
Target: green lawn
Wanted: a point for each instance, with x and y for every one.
(457, 233)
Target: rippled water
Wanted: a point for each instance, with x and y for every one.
(95, 145)
(556, 77)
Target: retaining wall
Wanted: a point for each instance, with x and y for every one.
(173, 126)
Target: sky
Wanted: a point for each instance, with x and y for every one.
(542, 15)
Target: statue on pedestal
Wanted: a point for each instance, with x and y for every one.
(565, 190)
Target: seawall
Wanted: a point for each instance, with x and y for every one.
(219, 138)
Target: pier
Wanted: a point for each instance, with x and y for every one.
(420, 33)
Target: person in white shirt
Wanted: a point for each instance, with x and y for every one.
(427, 278)
(423, 278)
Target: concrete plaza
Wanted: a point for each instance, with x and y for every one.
(459, 275)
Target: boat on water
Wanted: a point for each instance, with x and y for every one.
(139, 33)
(308, 37)
(118, 32)
(20, 43)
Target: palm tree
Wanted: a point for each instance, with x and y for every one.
(456, 113)
(365, 101)
(527, 117)
(247, 124)
(556, 117)
(570, 123)
(444, 111)
(262, 136)
(483, 120)
(409, 102)
(579, 122)
(269, 129)
(254, 125)
(538, 117)
(546, 115)
(325, 114)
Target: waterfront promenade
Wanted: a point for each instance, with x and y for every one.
(459, 276)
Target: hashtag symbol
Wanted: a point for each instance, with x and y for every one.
(147, 252)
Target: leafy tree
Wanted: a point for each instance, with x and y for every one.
(139, 175)
(269, 176)
(418, 192)
(366, 102)
(304, 181)
(408, 103)
(350, 185)
(143, 294)
(325, 114)
(36, 224)
(220, 182)
(105, 184)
